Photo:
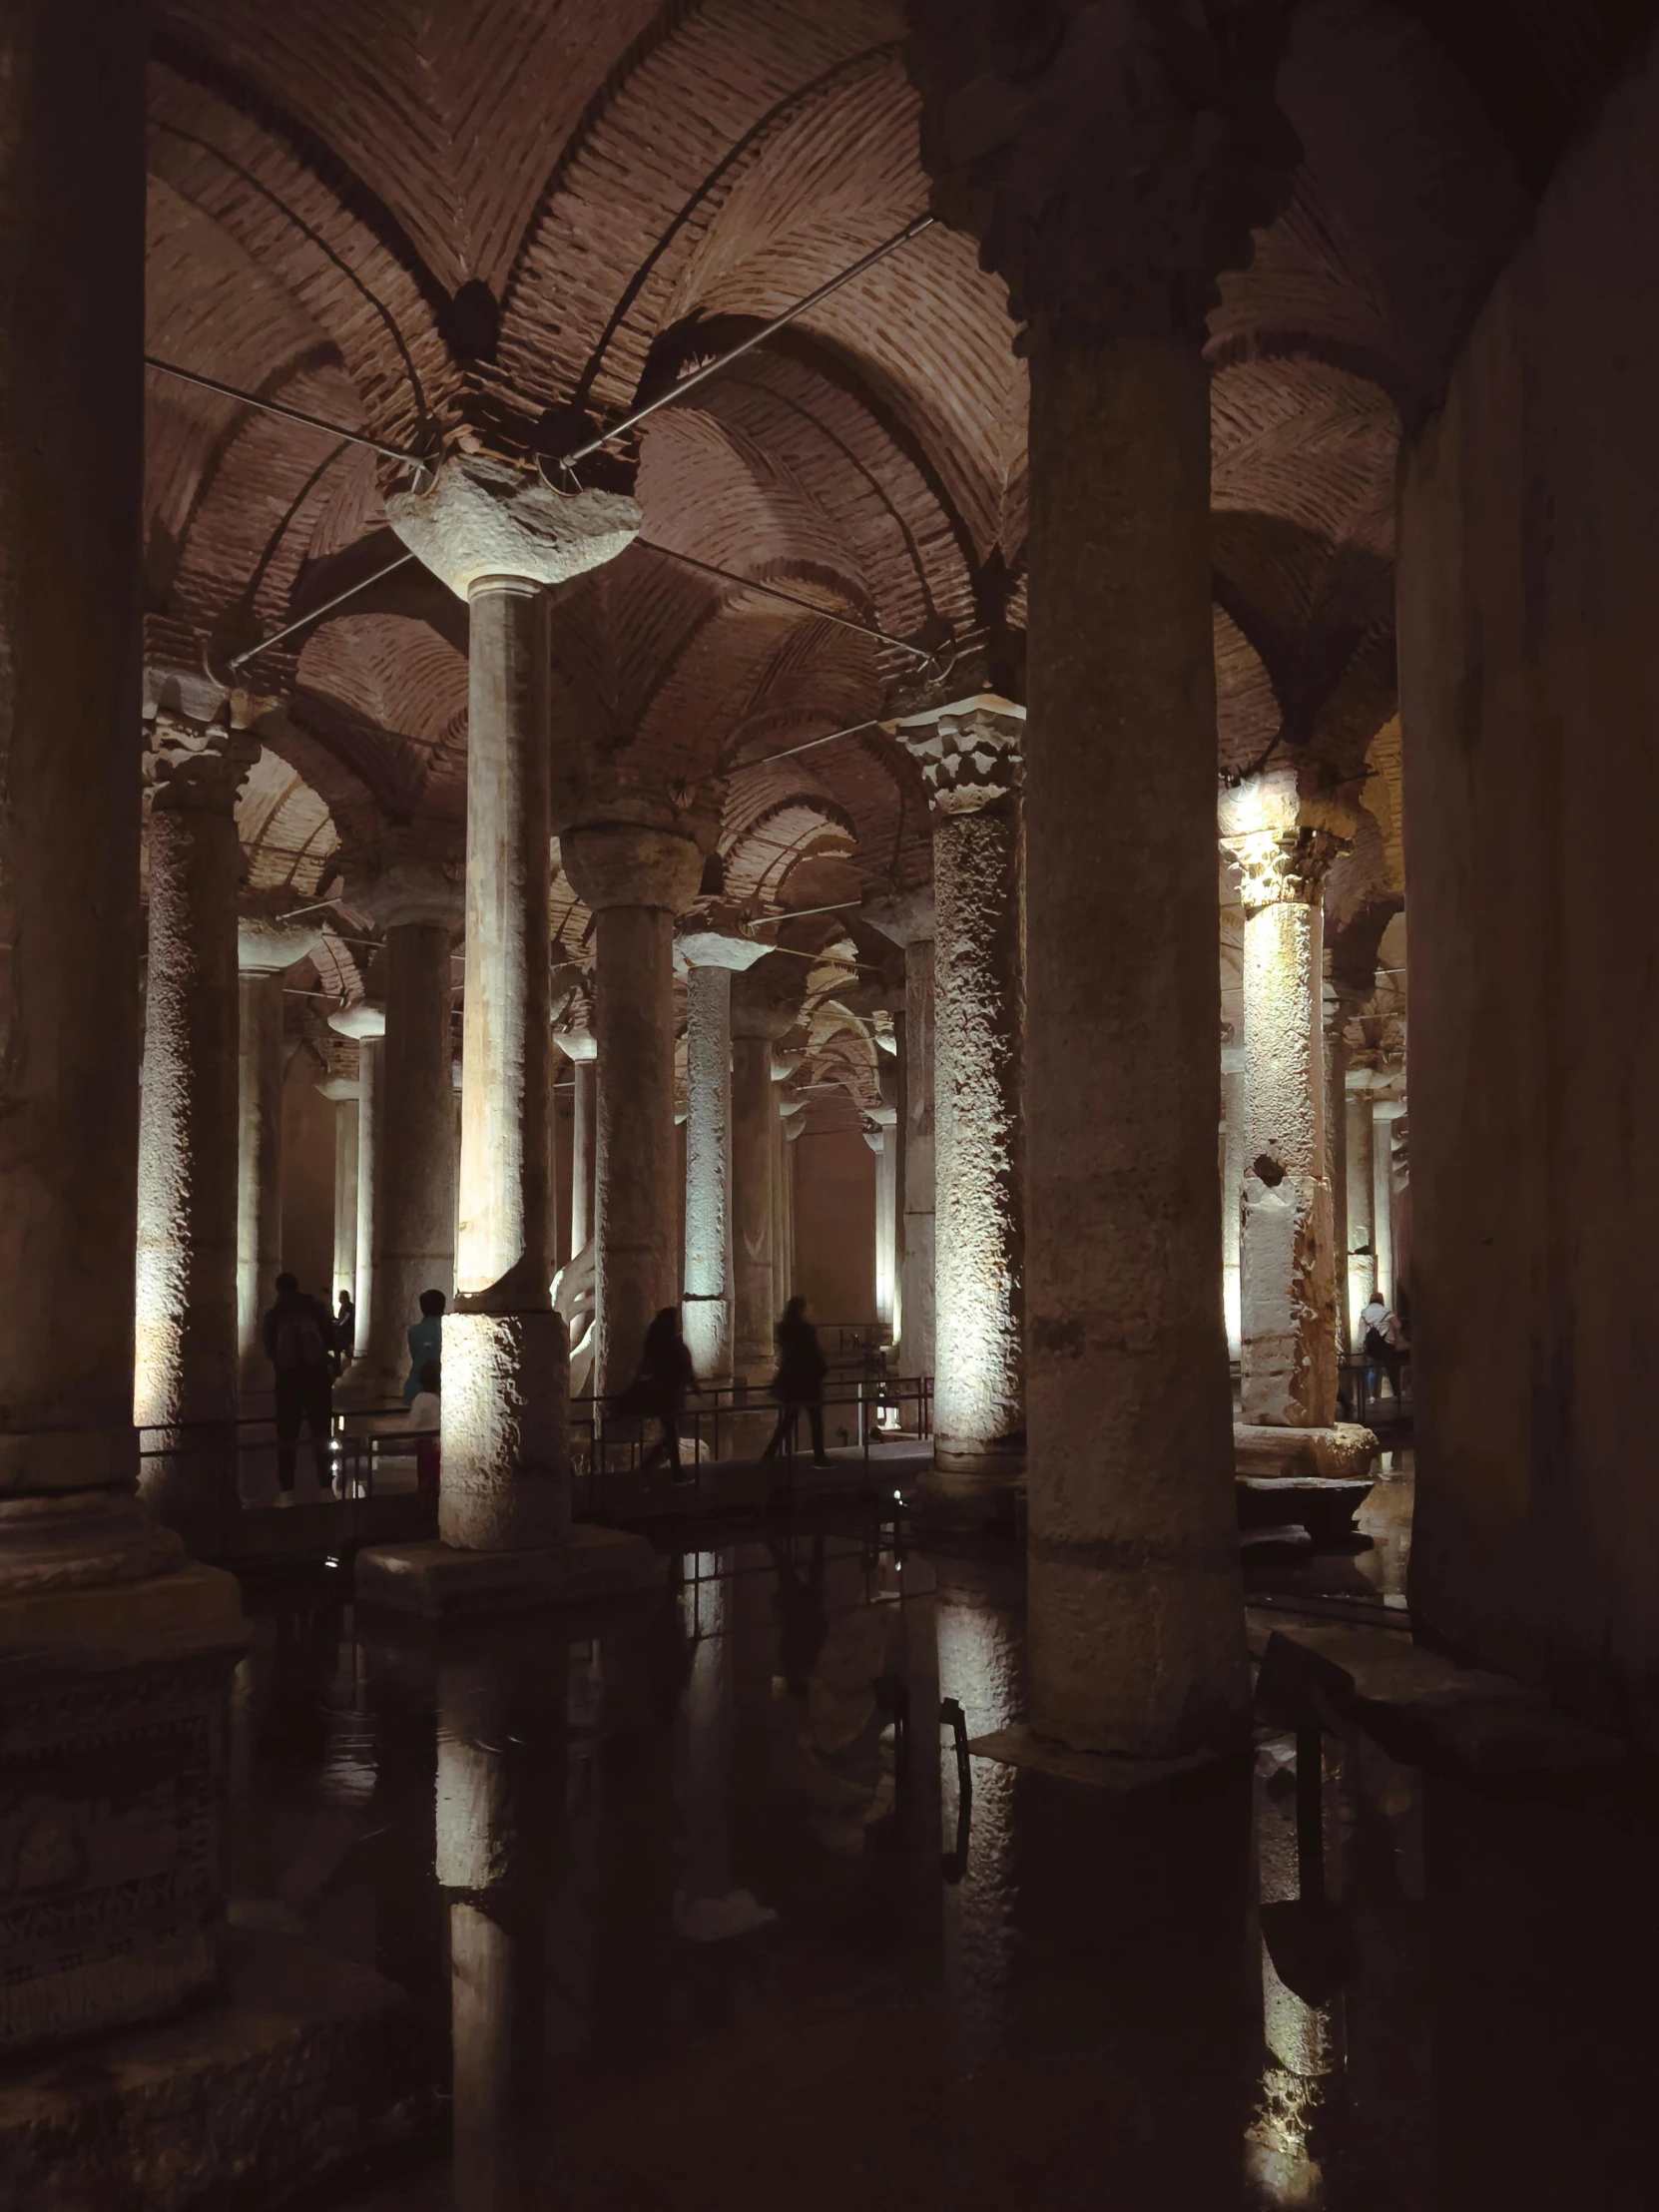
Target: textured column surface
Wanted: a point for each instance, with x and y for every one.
(1288, 1357)
(265, 949)
(584, 1137)
(636, 878)
(883, 1142)
(1385, 1113)
(916, 1297)
(505, 1461)
(971, 760)
(765, 1004)
(115, 1654)
(1362, 1235)
(707, 1288)
(364, 1023)
(1231, 1186)
(415, 1184)
(184, 1365)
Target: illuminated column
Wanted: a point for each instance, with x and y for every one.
(1341, 1002)
(1135, 1618)
(496, 536)
(970, 757)
(1362, 1229)
(363, 1023)
(414, 1205)
(635, 879)
(1283, 843)
(1231, 1182)
(1385, 1113)
(908, 920)
(115, 1653)
(584, 1137)
(710, 956)
(882, 1138)
(266, 951)
(185, 1368)
(765, 1004)
(343, 1092)
(794, 1121)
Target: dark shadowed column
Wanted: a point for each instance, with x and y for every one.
(1108, 191)
(765, 1004)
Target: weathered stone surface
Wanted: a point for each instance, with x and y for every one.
(112, 1702)
(1341, 1452)
(309, 2060)
(506, 1467)
(444, 1585)
(708, 1285)
(478, 517)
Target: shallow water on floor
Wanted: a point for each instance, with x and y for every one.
(702, 1907)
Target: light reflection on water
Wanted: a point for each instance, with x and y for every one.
(677, 1889)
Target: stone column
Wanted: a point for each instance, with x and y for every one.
(414, 1210)
(266, 951)
(1283, 841)
(577, 1279)
(184, 1366)
(636, 879)
(1232, 1190)
(1385, 1113)
(115, 1654)
(1361, 1230)
(882, 1139)
(496, 535)
(908, 920)
(711, 950)
(364, 1023)
(584, 1145)
(345, 1092)
(970, 757)
(765, 1004)
(1136, 1630)
(1340, 1005)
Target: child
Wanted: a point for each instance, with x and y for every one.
(425, 1420)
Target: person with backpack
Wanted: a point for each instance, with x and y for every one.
(426, 1342)
(299, 1344)
(798, 1383)
(1381, 1345)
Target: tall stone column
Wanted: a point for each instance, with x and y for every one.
(710, 955)
(577, 1281)
(1232, 1188)
(1136, 1630)
(970, 757)
(115, 1654)
(636, 878)
(765, 1004)
(584, 1145)
(1341, 1004)
(365, 1024)
(184, 1366)
(882, 1138)
(1283, 840)
(1361, 1230)
(1385, 1113)
(908, 920)
(497, 535)
(413, 1205)
(343, 1092)
(265, 949)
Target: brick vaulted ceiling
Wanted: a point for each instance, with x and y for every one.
(396, 212)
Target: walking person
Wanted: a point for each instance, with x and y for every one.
(664, 1376)
(799, 1383)
(1381, 1335)
(425, 1341)
(345, 1331)
(298, 1339)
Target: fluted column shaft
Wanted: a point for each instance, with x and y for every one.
(1362, 1229)
(708, 1287)
(185, 1368)
(917, 1342)
(259, 1164)
(505, 1460)
(414, 1208)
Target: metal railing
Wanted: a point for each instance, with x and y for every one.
(1367, 1395)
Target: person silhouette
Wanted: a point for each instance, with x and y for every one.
(799, 1383)
(425, 1341)
(298, 1339)
(664, 1375)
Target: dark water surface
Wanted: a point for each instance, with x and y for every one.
(699, 1912)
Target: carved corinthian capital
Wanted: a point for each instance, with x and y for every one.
(1111, 155)
(1281, 832)
(970, 756)
(197, 768)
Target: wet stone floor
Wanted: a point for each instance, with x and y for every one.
(701, 1905)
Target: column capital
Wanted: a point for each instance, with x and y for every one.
(712, 934)
(399, 885)
(1112, 157)
(197, 768)
(270, 944)
(365, 1020)
(971, 754)
(908, 917)
(630, 864)
(480, 523)
(1280, 831)
(767, 998)
(339, 1089)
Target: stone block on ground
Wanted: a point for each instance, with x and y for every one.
(311, 2060)
(438, 1585)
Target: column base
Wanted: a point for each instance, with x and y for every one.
(1318, 1476)
(311, 2060)
(987, 1501)
(445, 1586)
(112, 1704)
(1020, 1746)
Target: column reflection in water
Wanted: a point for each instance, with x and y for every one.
(1303, 2038)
